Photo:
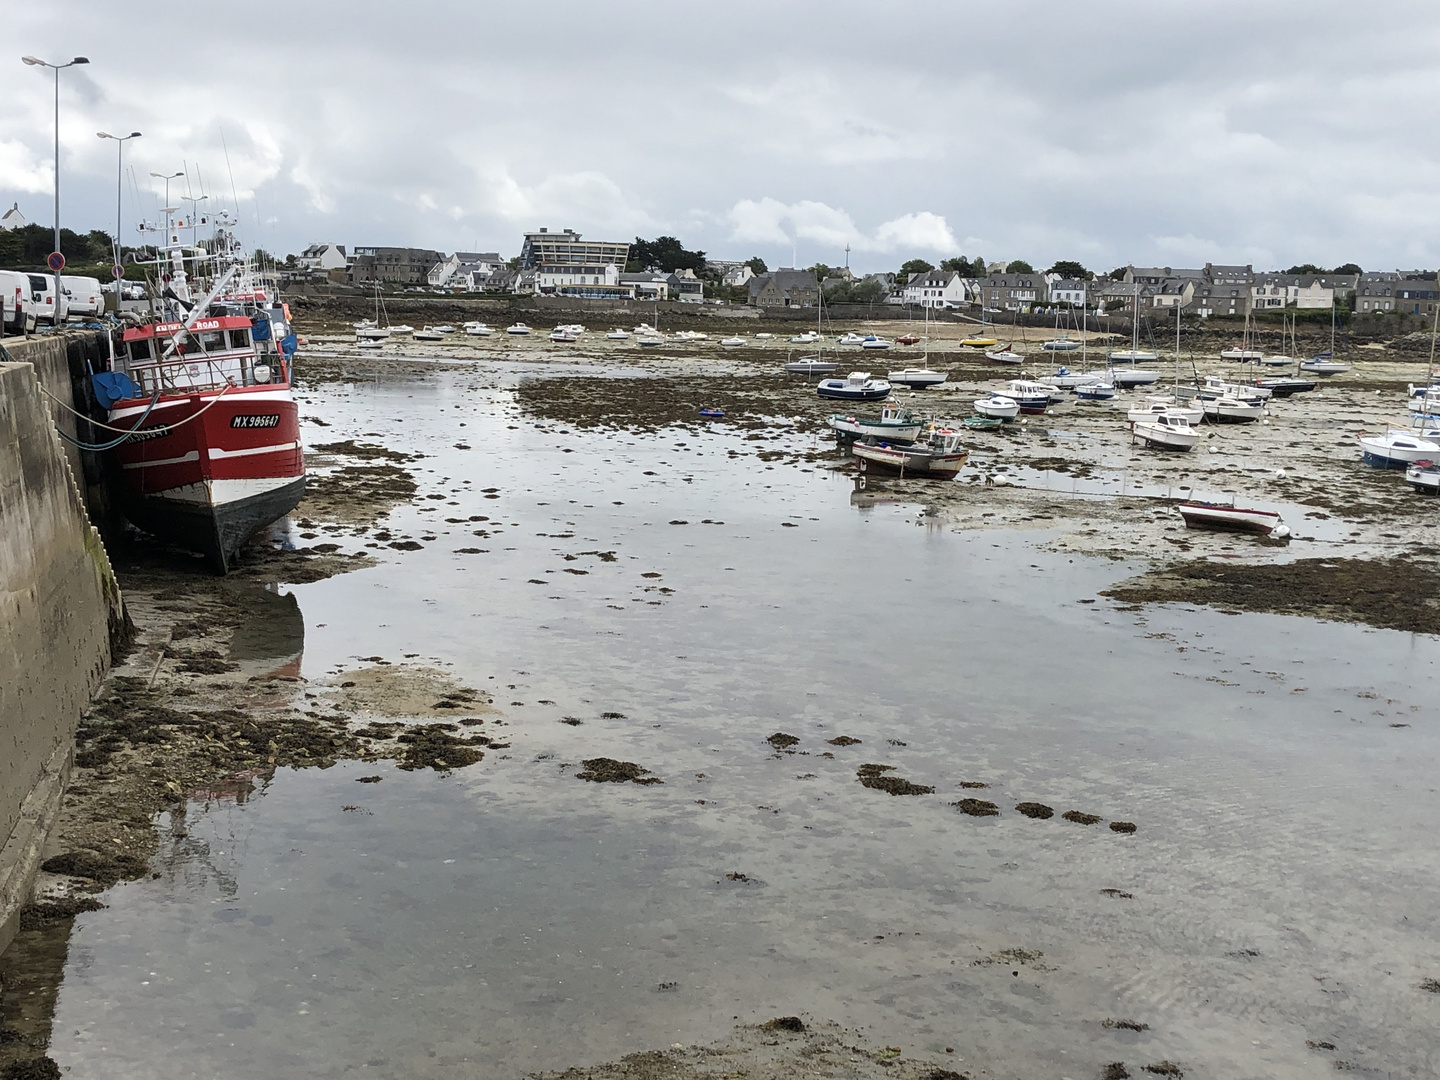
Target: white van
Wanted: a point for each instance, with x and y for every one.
(19, 317)
(43, 300)
(82, 296)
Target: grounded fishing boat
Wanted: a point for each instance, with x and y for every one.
(1204, 515)
(1096, 391)
(997, 407)
(857, 386)
(894, 425)
(1285, 385)
(1424, 476)
(917, 378)
(940, 455)
(1032, 397)
(1169, 430)
(210, 450)
(1397, 449)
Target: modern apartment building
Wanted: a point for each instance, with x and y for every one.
(565, 252)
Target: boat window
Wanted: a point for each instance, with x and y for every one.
(212, 341)
(140, 350)
(239, 339)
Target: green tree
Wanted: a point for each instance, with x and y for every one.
(1348, 268)
(869, 291)
(663, 253)
(821, 271)
(1019, 266)
(1118, 274)
(756, 264)
(1069, 268)
(915, 266)
(1305, 268)
(958, 265)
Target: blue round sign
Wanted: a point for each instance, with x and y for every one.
(55, 261)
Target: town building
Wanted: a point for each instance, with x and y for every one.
(784, 288)
(1013, 292)
(686, 287)
(1068, 291)
(1159, 275)
(322, 258)
(1174, 292)
(736, 276)
(1228, 300)
(937, 289)
(1124, 297)
(1376, 292)
(466, 271)
(397, 265)
(567, 249)
(647, 285)
(1417, 293)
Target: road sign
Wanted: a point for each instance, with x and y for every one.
(55, 261)
(118, 271)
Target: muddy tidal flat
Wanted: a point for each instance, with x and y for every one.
(564, 733)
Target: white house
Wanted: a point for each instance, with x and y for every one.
(937, 289)
(550, 278)
(467, 271)
(12, 219)
(738, 276)
(323, 257)
(1067, 290)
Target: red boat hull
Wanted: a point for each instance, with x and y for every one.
(207, 470)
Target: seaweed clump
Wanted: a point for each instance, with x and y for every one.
(843, 740)
(44, 912)
(104, 870)
(977, 808)
(40, 1068)
(873, 776)
(1079, 817)
(785, 1023)
(1122, 826)
(1035, 810)
(433, 747)
(1115, 1071)
(781, 741)
(604, 770)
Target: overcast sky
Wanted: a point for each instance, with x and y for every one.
(1166, 133)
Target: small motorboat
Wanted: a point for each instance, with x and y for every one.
(1007, 355)
(574, 328)
(1240, 354)
(1061, 345)
(560, 334)
(1137, 377)
(907, 339)
(732, 342)
(691, 335)
(851, 338)
(763, 337)
(1214, 387)
(1205, 515)
(1069, 380)
(810, 366)
(519, 329)
(1424, 476)
(857, 386)
(917, 378)
(1096, 391)
(1169, 430)
(1397, 449)
(1131, 356)
(895, 424)
(712, 414)
(370, 343)
(478, 329)
(646, 330)
(1229, 409)
(940, 455)
(617, 335)
(1032, 397)
(372, 333)
(809, 337)
(650, 340)
(998, 407)
(443, 328)
(428, 334)
(981, 423)
(402, 329)
(874, 341)
(979, 342)
(1285, 385)
(1324, 366)
(1277, 361)
(1156, 406)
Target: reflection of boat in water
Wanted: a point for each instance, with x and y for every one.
(270, 642)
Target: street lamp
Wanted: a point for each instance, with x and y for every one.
(36, 62)
(167, 177)
(120, 141)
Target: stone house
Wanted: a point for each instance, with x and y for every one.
(784, 288)
(1013, 292)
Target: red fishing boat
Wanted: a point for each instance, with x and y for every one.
(208, 449)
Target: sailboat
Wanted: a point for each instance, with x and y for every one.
(921, 378)
(371, 329)
(1245, 353)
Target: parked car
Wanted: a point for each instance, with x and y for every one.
(15, 302)
(44, 301)
(82, 296)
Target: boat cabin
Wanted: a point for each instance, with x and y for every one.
(224, 350)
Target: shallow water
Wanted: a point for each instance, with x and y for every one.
(510, 917)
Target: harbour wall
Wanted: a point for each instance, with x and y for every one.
(61, 614)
